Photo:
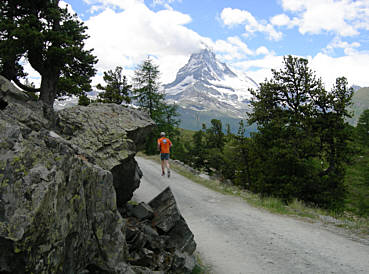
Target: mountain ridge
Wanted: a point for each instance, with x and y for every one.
(206, 87)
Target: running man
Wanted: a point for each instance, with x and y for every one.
(164, 145)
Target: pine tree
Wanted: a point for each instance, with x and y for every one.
(149, 98)
(197, 151)
(215, 135)
(242, 157)
(117, 89)
(52, 41)
(83, 100)
(302, 140)
(146, 89)
(363, 128)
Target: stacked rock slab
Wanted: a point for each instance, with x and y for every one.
(58, 205)
(158, 237)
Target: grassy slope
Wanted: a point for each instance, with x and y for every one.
(186, 134)
(193, 120)
(357, 183)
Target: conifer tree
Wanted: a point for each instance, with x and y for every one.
(117, 89)
(146, 89)
(215, 135)
(302, 140)
(52, 41)
(363, 127)
(83, 100)
(149, 98)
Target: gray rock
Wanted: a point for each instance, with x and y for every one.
(181, 237)
(142, 211)
(168, 218)
(17, 104)
(58, 211)
(107, 134)
(165, 234)
(58, 202)
(64, 179)
(148, 230)
(145, 270)
(166, 210)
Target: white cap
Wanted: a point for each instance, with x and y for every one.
(162, 133)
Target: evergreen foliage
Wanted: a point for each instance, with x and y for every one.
(117, 89)
(149, 98)
(302, 138)
(146, 89)
(302, 145)
(363, 128)
(215, 135)
(83, 100)
(52, 41)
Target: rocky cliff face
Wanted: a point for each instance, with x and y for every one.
(63, 183)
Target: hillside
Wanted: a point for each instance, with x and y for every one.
(360, 102)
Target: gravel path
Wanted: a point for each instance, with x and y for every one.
(234, 237)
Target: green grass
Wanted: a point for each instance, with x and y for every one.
(200, 267)
(347, 220)
(357, 183)
(186, 135)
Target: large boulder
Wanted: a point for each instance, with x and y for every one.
(107, 135)
(58, 203)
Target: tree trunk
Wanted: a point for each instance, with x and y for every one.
(48, 89)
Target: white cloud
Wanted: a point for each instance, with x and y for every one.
(164, 3)
(342, 17)
(126, 38)
(33, 76)
(280, 20)
(354, 67)
(349, 48)
(232, 17)
(260, 69)
(239, 46)
(236, 17)
(113, 4)
(231, 49)
(293, 5)
(262, 51)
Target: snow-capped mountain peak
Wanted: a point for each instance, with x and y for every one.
(205, 83)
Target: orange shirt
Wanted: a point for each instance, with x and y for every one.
(164, 144)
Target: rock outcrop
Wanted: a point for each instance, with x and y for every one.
(158, 237)
(64, 182)
(58, 203)
(107, 135)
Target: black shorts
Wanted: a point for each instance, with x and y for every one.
(164, 156)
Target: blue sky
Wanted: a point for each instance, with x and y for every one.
(251, 36)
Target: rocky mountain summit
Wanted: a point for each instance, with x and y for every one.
(65, 186)
(205, 84)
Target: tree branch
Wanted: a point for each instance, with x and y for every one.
(24, 87)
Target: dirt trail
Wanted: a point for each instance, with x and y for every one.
(234, 237)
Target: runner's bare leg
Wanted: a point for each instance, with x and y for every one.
(163, 166)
